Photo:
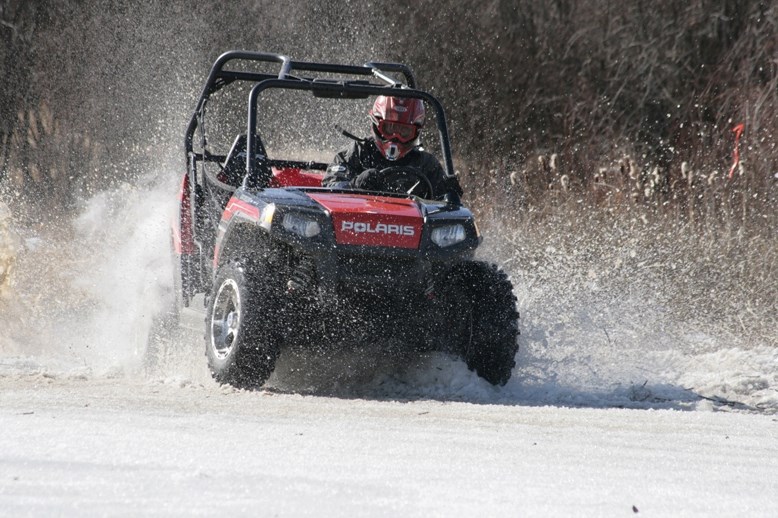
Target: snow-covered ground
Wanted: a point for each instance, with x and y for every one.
(616, 406)
(80, 446)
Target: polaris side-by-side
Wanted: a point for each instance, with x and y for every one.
(275, 259)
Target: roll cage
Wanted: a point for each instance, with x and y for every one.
(289, 77)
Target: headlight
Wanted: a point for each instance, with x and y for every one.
(448, 235)
(266, 216)
(301, 226)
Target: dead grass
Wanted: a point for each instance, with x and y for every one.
(716, 271)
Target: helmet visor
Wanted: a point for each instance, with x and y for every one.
(397, 130)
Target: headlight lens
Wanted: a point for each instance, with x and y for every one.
(448, 235)
(266, 215)
(301, 226)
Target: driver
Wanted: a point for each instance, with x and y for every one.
(396, 123)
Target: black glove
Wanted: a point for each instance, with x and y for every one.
(366, 180)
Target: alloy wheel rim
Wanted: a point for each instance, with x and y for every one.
(225, 319)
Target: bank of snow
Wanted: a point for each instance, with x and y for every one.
(74, 447)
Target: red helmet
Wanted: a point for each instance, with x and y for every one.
(396, 125)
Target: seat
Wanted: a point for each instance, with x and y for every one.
(234, 167)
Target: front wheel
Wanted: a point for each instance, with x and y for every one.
(242, 339)
(483, 318)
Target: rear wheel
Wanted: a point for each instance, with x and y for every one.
(242, 332)
(481, 313)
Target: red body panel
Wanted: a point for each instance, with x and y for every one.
(183, 242)
(293, 177)
(234, 207)
(373, 220)
(237, 206)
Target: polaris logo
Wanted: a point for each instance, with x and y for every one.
(379, 228)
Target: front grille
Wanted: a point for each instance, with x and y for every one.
(380, 269)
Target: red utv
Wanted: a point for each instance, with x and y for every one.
(274, 259)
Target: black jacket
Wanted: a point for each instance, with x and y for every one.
(361, 155)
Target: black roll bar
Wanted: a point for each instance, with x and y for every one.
(212, 83)
(343, 88)
(379, 68)
(218, 77)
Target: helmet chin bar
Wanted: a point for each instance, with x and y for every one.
(392, 152)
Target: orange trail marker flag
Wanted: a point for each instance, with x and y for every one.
(738, 130)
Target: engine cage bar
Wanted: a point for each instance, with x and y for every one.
(339, 88)
(218, 77)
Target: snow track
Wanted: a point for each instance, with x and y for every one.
(86, 446)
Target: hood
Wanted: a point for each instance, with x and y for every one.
(371, 220)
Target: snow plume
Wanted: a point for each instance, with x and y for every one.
(127, 267)
(625, 313)
(86, 289)
(9, 243)
(611, 316)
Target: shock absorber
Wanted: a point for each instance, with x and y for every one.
(303, 275)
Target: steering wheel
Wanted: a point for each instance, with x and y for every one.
(405, 180)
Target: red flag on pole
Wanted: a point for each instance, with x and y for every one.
(736, 153)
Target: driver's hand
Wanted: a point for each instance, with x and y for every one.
(366, 180)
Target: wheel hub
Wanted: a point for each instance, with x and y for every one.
(225, 319)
